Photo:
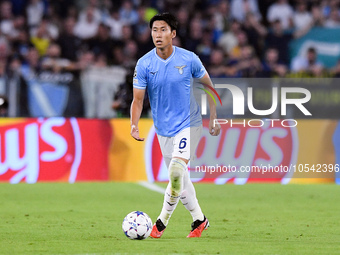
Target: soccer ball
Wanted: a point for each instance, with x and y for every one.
(137, 225)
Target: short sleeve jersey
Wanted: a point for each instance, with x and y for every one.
(169, 86)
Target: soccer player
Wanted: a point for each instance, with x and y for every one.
(166, 73)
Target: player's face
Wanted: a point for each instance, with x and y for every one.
(161, 34)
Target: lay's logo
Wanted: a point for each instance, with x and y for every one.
(238, 146)
(54, 149)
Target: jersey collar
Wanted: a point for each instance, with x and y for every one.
(169, 58)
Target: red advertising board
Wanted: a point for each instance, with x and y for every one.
(238, 147)
(54, 149)
(73, 150)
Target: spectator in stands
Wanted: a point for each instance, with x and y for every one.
(118, 55)
(72, 12)
(281, 10)
(102, 42)
(318, 17)
(204, 49)
(105, 7)
(334, 19)
(195, 35)
(240, 9)
(116, 24)
(128, 14)
(183, 24)
(52, 29)
(101, 61)
(31, 64)
(4, 51)
(248, 65)
(141, 32)
(6, 13)
(18, 7)
(86, 60)
(271, 66)
(62, 8)
(96, 13)
(69, 43)
(141, 27)
(242, 40)
(53, 17)
(255, 32)
(328, 6)
(41, 39)
(217, 68)
(130, 54)
(127, 33)
(222, 16)
(301, 17)
(53, 61)
(35, 11)
(11, 27)
(308, 64)
(278, 39)
(87, 27)
(21, 43)
(229, 39)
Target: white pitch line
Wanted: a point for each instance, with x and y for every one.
(152, 186)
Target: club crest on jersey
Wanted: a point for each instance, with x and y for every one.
(180, 68)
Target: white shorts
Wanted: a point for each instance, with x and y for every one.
(182, 145)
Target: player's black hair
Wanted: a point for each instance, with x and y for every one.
(167, 17)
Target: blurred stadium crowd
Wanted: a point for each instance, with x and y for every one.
(59, 40)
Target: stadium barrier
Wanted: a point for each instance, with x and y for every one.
(65, 93)
(73, 150)
(54, 149)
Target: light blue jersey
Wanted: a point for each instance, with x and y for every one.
(168, 83)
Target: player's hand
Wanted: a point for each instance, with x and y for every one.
(214, 130)
(135, 133)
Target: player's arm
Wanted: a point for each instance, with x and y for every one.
(136, 111)
(215, 131)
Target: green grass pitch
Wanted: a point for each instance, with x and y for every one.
(86, 218)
